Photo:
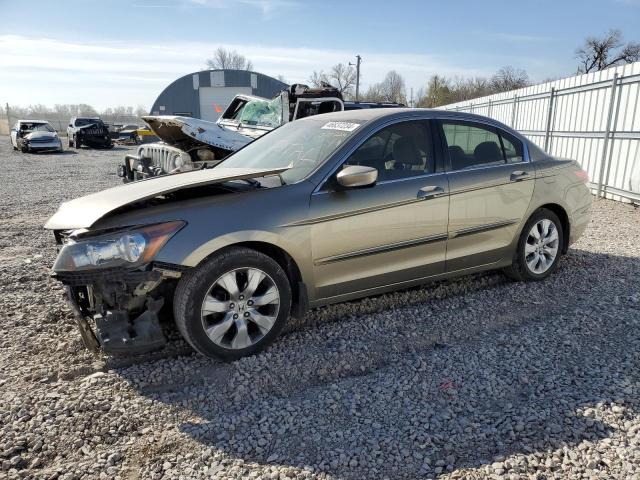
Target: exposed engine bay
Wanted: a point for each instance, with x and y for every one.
(190, 143)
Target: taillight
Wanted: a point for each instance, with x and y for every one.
(582, 176)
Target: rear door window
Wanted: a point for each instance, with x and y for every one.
(512, 147)
(472, 145)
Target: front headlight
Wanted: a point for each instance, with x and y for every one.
(178, 163)
(123, 249)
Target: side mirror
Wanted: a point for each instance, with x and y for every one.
(357, 176)
(71, 125)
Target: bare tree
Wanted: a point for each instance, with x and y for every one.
(228, 59)
(373, 94)
(341, 76)
(509, 78)
(393, 88)
(600, 53)
(438, 92)
(141, 111)
(318, 79)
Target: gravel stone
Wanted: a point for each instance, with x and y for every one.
(476, 377)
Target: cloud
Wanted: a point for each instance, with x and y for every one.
(266, 6)
(517, 37)
(49, 71)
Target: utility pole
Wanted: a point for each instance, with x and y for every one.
(357, 65)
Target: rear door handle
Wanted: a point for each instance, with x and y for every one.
(429, 191)
(518, 175)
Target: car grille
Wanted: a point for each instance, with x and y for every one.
(42, 140)
(94, 131)
(161, 155)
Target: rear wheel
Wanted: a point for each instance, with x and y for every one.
(539, 247)
(234, 304)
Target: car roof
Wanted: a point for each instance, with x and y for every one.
(370, 115)
(33, 121)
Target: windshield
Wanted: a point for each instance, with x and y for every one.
(262, 113)
(80, 122)
(303, 145)
(37, 127)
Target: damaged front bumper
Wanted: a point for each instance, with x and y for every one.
(118, 311)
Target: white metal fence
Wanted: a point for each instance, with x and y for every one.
(592, 118)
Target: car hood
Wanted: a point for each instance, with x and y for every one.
(176, 130)
(83, 212)
(41, 135)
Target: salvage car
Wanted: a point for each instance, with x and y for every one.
(325, 209)
(91, 132)
(35, 136)
(189, 143)
(135, 135)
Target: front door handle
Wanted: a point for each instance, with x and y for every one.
(518, 175)
(429, 191)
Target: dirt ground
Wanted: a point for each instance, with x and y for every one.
(478, 377)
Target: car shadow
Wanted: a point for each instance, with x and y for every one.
(509, 375)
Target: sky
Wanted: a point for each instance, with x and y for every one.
(114, 52)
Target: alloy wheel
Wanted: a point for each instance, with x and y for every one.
(240, 308)
(541, 247)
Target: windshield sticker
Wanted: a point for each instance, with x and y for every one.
(342, 126)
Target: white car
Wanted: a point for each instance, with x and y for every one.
(35, 136)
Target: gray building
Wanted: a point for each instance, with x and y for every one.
(206, 94)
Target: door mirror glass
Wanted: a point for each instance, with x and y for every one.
(357, 176)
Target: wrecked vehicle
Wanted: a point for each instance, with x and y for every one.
(321, 210)
(91, 132)
(35, 136)
(135, 135)
(189, 143)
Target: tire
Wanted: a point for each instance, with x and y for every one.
(206, 280)
(69, 144)
(77, 143)
(540, 264)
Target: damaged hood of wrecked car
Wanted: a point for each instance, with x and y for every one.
(39, 135)
(176, 130)
(83, 212)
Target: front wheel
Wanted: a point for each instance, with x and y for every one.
(539, 247)
(234, 304)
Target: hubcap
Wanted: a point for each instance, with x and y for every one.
(240, 308)
(541, 247)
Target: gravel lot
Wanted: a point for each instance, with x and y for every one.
(473, 378)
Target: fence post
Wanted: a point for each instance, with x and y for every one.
(613, 130)
(471, 107)
(603, 158)
(514, 111)
(547, 134)
(489, 109)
